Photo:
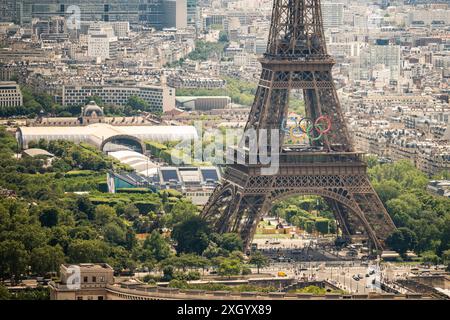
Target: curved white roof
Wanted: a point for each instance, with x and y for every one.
(140, 163)
(95, 134)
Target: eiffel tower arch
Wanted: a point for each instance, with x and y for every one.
(297, 59)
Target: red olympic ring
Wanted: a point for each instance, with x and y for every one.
(328, 126)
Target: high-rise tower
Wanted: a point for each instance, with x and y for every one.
(297, 58)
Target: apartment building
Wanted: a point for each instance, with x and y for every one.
(159, 98)
(100, 46)
(433, 158)
(333, 14)
(10, 94)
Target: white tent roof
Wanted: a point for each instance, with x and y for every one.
(95, 134)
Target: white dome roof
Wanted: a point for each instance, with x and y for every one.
(92, 108)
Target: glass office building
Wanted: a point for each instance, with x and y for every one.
(192, 12)
(135, 11)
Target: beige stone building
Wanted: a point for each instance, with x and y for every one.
(10, 94)
(86, 281)
(433, 158)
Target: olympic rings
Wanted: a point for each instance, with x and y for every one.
(314, 130)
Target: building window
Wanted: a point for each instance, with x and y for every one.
(85, 279)
(94, 279)
(100, 297)
(79, 298)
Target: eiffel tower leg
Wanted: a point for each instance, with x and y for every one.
(341, 217)
(371, 214)
(249, 213)
(229, 211)
(377, 219)
(221, 206)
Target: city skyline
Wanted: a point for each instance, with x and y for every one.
(224, 150)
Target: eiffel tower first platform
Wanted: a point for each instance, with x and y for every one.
(297, 59)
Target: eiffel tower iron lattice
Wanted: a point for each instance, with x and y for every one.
(297, 59)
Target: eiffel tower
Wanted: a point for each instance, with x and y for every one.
(297, 59)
